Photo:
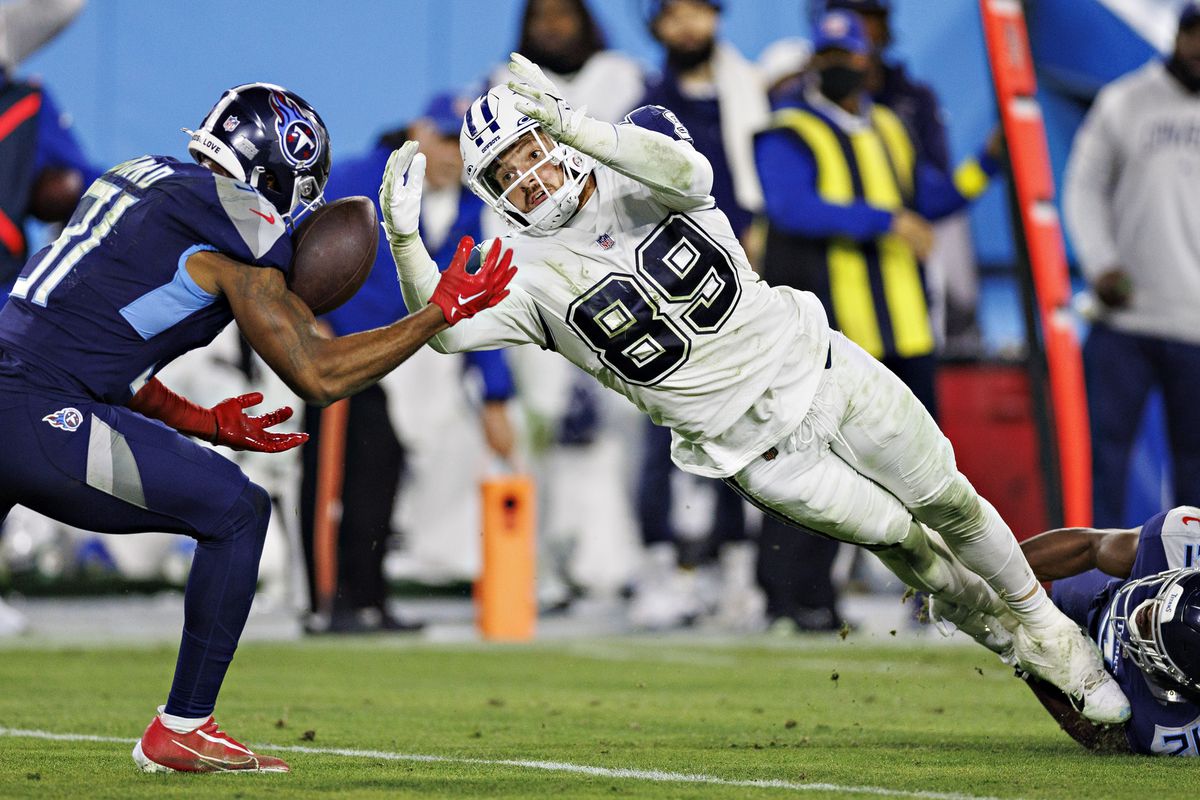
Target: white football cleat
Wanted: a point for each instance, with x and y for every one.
(1060, 653)
(983, 628)
(671, 604)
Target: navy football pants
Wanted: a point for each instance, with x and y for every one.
(118, 472)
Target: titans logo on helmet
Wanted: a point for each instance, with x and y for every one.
(297, 139)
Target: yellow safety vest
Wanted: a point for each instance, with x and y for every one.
(883, 160)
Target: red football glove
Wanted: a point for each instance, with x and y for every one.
(225, 423)
(460, 295)
(239, 430)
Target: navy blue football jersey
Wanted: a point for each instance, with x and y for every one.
(1168, 541)
(109, 303)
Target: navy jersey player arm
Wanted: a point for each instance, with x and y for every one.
(1097, 738)
(282, 329)
(1065, 552)
(320, 368)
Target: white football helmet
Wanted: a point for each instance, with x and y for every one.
(491, 126)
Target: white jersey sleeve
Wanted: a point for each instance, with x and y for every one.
(514, 320)
(652, 147)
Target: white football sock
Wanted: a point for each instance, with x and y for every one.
(976, 533)
(180, 724)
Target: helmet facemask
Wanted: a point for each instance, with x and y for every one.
(1146, 642)
(559, 204)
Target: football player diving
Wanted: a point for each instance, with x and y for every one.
(1137, 592)
(158, 258)
(630, 271)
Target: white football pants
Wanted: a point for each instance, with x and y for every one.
(867, 465)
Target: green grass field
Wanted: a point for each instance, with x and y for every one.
(904, 721)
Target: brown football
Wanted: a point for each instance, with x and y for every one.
(334, 251)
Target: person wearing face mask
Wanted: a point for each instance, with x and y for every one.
(849, 199)
(1131, 207)
(951, 266)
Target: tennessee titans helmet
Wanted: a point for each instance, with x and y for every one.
(1163, 632)
(272, 139)
(493, 124)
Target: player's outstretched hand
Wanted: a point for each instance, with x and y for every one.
(239, 430)
(400, 192)
(543, 101)
(461, 294)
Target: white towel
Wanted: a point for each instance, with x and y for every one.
(744, 112)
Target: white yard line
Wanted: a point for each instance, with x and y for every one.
(650, 775)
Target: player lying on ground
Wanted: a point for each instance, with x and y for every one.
(1137, 592)
(158, 258)
(630, 271)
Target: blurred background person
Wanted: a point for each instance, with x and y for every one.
(721, 99)
(433, 410)
(783, 65)
(43, 171)
(952, 278)
(848, 199)
(579, 434)
(565, 39)
(1131, 207)
(374, 458)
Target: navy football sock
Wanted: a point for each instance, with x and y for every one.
(217, 601)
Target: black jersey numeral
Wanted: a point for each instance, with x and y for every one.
(621, 319)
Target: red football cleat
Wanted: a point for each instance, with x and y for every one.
(206, 749)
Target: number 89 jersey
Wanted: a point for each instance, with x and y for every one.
(663, 307)
(110, 302)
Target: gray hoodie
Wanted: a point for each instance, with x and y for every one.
(1132, 200)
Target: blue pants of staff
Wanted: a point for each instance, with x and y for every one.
(108, 469)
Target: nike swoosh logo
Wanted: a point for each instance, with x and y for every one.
(464, 300)
(223, 764)
(270, 219)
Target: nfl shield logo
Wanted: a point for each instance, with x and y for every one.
(605, 241)
(231, 122)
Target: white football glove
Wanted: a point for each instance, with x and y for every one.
(543, 102)
(400, 193)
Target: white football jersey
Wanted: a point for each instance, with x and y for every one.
(662, 306)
